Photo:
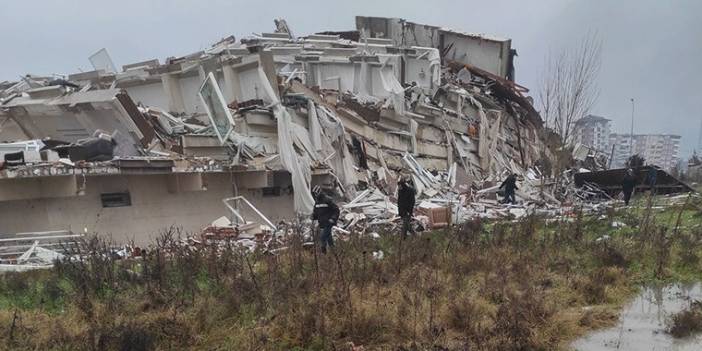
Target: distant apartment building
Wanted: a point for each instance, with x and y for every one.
(621, 149)
(593, 131)
(661, 150)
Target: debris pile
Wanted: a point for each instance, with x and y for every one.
(30, 251)
(281, 114)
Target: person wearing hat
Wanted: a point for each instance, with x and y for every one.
(326, 213)
(405, 202)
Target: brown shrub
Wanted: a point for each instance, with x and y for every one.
(686, 322)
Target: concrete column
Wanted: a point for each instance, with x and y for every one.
(202, 72)
(265, 61)
(232, 84)
(171, 86)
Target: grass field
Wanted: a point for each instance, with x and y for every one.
(532, 284)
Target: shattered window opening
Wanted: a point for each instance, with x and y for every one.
(110, 200)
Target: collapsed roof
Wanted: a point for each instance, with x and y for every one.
(647, 178)
(356, 112)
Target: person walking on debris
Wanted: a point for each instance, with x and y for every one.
(510, 185)
(628, 185)
(405, 203)
(326, 213)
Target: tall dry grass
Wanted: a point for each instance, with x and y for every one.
(483, 285)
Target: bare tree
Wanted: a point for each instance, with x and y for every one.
(568, 88)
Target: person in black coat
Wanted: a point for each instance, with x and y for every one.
(326, 213)
(652, 179)
(406, 195)
(510, 185)
(628, 185)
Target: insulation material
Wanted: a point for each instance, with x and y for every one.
(298, 166)
(434, 58)
(341, 161)
(413, 132)
(362, 84)
(303, 142)
(315, 130)
(394, 88)
(254, 144)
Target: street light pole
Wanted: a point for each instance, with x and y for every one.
(631, 133)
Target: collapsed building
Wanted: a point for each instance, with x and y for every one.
(266, 118)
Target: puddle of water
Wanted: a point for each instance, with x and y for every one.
(642, 325)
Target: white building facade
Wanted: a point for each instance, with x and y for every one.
(593, 131)
(662, 150)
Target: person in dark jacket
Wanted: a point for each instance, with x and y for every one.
(510, 185)
(628, 185)
(326, 213)
(652, 179)
(406, 195)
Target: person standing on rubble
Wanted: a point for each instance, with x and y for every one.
(510, 185)
(628, 185)
(326, 213)
(406, 195)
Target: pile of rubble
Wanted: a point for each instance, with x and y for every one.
(35, 250)
(350, 112)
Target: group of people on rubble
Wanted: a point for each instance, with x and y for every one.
(326, 212)
(628, 183)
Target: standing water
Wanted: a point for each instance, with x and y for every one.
(642, 323)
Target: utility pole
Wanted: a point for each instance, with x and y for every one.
(631, 134)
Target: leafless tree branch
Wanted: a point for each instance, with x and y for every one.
(568, 87)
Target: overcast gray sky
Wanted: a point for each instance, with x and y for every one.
(652, 49)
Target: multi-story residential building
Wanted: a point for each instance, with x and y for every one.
(661, 150)
(593, 131)
(621, 151)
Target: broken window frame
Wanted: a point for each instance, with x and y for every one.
(232, 202)
(116, 199)
(216, 93)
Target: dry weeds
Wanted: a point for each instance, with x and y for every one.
(524, 285)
